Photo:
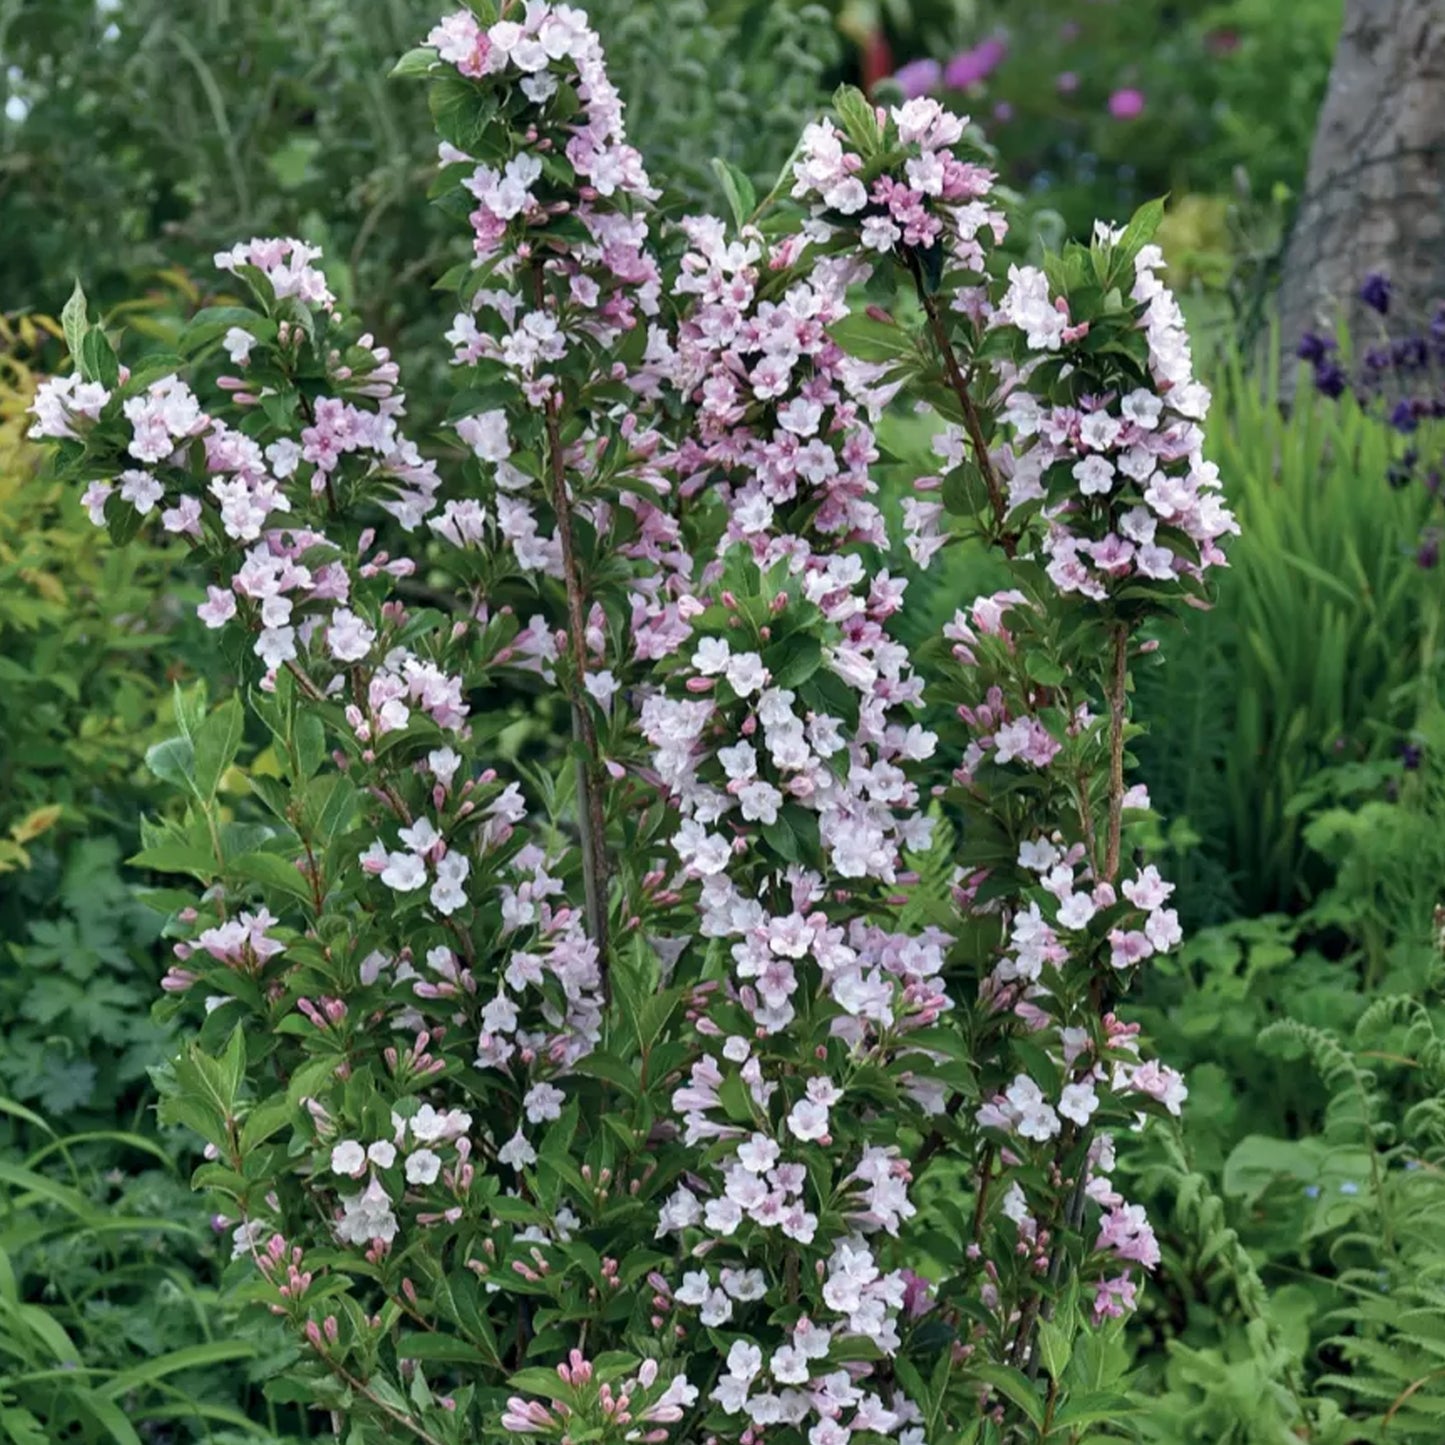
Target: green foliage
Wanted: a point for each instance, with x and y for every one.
(88, 637)
(77, 988)
(1302, 1280)
(1231, 90)
(1323, 646)
(110, 1333)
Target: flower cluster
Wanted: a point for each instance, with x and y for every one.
(936, 198)
(1121, 479)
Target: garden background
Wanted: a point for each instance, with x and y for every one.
(1294, 732)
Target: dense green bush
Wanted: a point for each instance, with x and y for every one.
(1303, 1274)
(1323, 645)
(111, 1329)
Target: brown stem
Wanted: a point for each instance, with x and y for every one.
(365, 1391)
(985, 1178)
(591, 814)
(1118, 701)
(974, 427)
(307, 686)
(934, 1142)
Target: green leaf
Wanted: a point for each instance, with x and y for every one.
(272, 871)
(217, 744)
(213, 322)
(75, 322)
(98, 360)
(265, 1121)
(538, 1380)
(441, 1348)
(1093, 1408)
(870, 339)
(175, 858)
(781, 838)
(310, 745)
(742, 199)
(1142, 226)
(193, 1357)
(106, 1414)
(174, 761)
(415, 62)
(1055, 1346)
(794, 660)
(1014, 1385)
(860, 122)
(601, 1065)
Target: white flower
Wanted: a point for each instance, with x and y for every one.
(1027, 305)
(404, 872)
(745, 1359)
(1076, 910)
(1035, 1117)
(808, 1120)
(711, 656)
(276, 645)
(746, 673)
(141, 490)
(423, 1167)
(443, 763)
(367, 1216)
(1078, 1102)
(238, 343)
(517, 1153)
(382, 1154)
(348, 1157)
(694, 1289)
(758, 1154)
(486, 434)
(790, 1366)
(447, 894)
(543, 1102)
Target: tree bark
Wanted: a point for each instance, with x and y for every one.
(1373, 200)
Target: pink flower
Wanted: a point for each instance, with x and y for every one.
(1126, 104)
(969, 67)
(918, 77)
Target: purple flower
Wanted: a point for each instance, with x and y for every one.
(1003, 111)
(1330, 379)
(1314, 347)
(1427, 558)
(919, 77)
(1403, 418)
(969, 67)
(1126, 104)
(1066, 83)
(1375, 293)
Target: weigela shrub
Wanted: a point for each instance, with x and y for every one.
(597, 1102)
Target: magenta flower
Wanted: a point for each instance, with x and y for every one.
(918, 77)
(969, 67)
(1126, 104)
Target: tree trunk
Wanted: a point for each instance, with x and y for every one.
(1373, 200)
